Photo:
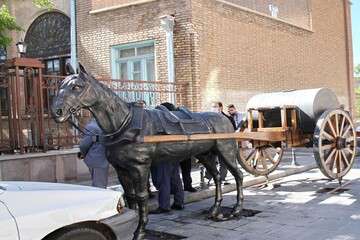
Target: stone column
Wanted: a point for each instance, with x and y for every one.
(167, 23)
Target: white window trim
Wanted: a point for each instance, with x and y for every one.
(114, 60)
(309, 29)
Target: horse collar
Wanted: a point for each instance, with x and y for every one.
(130, 131)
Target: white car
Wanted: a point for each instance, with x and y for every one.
(53, 211)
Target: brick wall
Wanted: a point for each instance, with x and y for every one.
(223, 52)
(98, 32)
(243, 53)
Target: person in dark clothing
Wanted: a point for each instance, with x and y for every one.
(218, 107)
(94, 156)
(166, 179)
(186, 164)
(186, 175)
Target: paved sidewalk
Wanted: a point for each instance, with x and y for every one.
(297, 208)
(304, 158)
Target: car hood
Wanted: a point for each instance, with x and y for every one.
(57, 204)
(43, 186)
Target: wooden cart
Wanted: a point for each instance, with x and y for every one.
(262, 142)
(333, 142)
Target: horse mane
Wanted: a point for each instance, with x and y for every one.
(112, 95)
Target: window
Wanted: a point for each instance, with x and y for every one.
(296, 12)
(4, 101)
(3, 54)
(53, 66)
(134, 62)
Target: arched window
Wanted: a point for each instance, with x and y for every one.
(48, 38)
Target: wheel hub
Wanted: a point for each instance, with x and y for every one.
(340, 143)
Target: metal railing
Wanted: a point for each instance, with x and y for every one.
(38, 130)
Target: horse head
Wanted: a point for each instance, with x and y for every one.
(75, 92)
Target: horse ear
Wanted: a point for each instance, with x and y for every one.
(69, 69)
(82, 68)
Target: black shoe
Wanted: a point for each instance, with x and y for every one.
(151, 195)
(190, 189)
(177, 207)
(159, 211)
(226, 183)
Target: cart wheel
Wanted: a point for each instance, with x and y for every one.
(335, 143)
(260, 160)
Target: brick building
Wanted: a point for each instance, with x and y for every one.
(225, 50)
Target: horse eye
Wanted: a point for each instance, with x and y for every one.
(76, 88)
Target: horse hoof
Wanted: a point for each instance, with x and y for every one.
(216, 216)
(236, 212)
(139, 236)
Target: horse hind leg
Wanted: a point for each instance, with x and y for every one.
(229, 152)
(209, 162)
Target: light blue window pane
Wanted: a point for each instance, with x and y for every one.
(123, 73)
(150, 69)
(137, 71)
(145, 50)
(125, 53)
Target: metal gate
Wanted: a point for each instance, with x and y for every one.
(26, 95)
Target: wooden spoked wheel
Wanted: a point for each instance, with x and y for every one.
(335, 143)
(260, 159)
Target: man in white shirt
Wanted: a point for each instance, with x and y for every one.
(239, 117)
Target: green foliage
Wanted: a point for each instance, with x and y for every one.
(7, 23)
(44, 4)
(357, 70)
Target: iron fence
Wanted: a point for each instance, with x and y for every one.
(32, 94)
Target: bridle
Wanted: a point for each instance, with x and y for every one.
(107, 139)
(104, 138)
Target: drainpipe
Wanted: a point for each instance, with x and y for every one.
(349, 56)
(73, 59)
(73, 54)
(167, 23)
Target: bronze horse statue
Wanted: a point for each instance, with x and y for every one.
(124, 125)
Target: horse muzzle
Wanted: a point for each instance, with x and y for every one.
(59, 116)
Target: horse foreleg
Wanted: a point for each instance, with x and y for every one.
(209, 163)
(128, 186)
(229, 157)
(140, 178)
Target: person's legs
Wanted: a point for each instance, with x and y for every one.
(91, 170)
(100, 177)
(161, 175)
(177, 187)
(186, 173)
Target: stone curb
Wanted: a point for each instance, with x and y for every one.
(207, 193)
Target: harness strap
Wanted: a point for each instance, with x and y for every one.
(122, 134)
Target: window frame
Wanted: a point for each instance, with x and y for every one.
(116, 60)
(149, 97)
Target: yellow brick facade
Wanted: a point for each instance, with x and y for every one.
(223, 52)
